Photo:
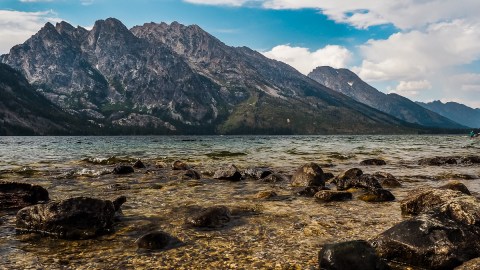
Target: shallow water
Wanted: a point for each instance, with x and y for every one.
(284, 233)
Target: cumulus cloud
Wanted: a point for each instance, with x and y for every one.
(18, 26)
(411, 88)
(305, 60)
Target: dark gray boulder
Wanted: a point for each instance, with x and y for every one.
(352, 255)
(257, 173)
(123, 169)
(352, 173)
(365, 181)
(430, 242)
(307, 175)
(157, 240)
(192, 174)
(211, 217)
(230, 173)
(331, 195)
(18, 195)
(74, 218)
(373, 162)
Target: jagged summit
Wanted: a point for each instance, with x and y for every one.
(172, 78)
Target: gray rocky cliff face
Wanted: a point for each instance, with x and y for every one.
(348, 83)
(171, 78)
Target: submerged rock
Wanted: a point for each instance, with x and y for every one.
(471, 160)
(365, 181)
(192, 174)
(230, 173)
(257, 173)
(309, 174)
(18, 195)
(74, 218)
(350, 255)
(139, 165)
(458, 186)
(308, 191)
(377, 195)
(211, 217)
(430, 242)
(328, 176)
(266, 194)
(331, 195)
(123, 169)
(438, 161)
(274, 178)
(387, 179)
(348, 174)
(157, 240)
(373, 161)
(180, 165)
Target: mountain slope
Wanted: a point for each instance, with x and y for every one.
(457, 112)
(25, 112)
(175, 79)
(348, 83)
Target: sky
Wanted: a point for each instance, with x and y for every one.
(424, 50)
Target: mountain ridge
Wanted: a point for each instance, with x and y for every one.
(456, 111)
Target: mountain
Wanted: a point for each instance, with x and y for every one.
(25, 112)
(348, 83)
(176, 79)
(457, 112)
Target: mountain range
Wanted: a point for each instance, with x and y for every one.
(175, 79)
(348, 83)
(460, 113)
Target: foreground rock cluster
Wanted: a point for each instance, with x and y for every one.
(440, 231)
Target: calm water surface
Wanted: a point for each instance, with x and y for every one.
(284, 233)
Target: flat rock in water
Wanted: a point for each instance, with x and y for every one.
(18, 195)
(352, 255)
(309, 174)
(458, 186)
(123, 169)
(157, 240)
(438, 161)
(180, 165)
(429, 242)
(230, 173)
(257, 173)
(74, 218)
(211, 217)
(377, 195)
(365, 181)
(331, 195)
(373, 161)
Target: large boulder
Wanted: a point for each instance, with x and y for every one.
(309, 174)
(18, 195)
(211, 217)
(429, 242)
(365, 181)
(74, 218)
(352, 255)
(230, 173)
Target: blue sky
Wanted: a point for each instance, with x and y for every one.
(422, 49)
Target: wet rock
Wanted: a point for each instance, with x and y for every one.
(309, 174)
(116, 187)
(139, 165)
(266, 194)
(470, 265)
(74, 218)
(387, 180)
(274, 178)
(349, 174)
(212, 217)
(373, 161)
(18, 195)
(308, 191)
(193, 174)
(331, 195)
(328, 176)
(470, 160)
(365, 181)
(429, 242)
(458, 186)
(157, 240)
(350, 255)
(377, 195)
(230, 173)
(180, 165)
(123, 169)
(118, 202)
(438, 161)
(257, 173)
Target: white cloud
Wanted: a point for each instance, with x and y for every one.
(86, 2)
(234, 3)
(305, 60)
(411, 88)
(18, 26)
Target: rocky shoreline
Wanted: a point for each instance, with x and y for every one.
(439, 228)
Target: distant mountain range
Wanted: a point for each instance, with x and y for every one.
(348, 83)
(458, 112)
(176, 79)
